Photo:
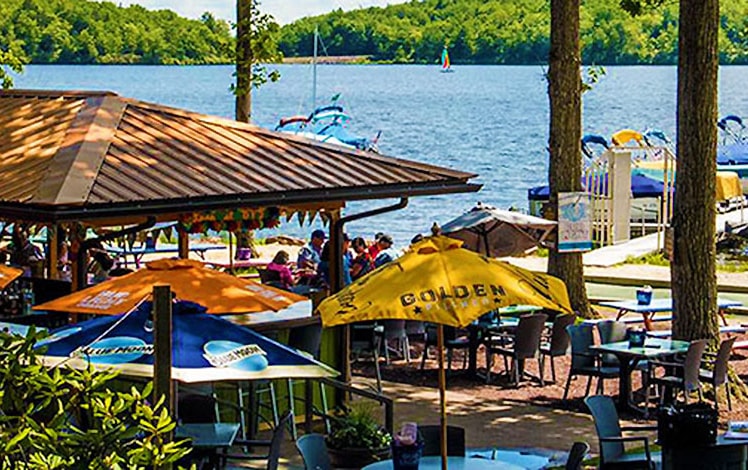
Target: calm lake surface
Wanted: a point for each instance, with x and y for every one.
(490, 120)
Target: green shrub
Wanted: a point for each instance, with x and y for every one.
(62, 418)
(356, 427)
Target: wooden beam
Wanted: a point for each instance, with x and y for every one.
(162, 326)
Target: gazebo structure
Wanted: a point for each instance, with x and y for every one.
(83, 159)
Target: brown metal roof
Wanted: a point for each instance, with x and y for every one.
(80, 155)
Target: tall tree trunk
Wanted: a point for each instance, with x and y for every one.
(693, 269)
(244, 60)
(565, 91)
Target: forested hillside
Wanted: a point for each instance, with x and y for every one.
(82, 32)
(507, 32)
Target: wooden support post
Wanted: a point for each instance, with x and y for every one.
(183, 244)
(162, 325)
(53, 256)
(442, 396)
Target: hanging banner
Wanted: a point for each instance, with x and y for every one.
(574, 222)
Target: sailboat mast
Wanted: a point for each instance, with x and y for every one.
(314, 69)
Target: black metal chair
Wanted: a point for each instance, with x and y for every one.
(682, 375)
(558, 343)
(584, 361)
(612, 442)
(431, 434)
(578, 452)
(273, 445)
(523, 345)
(451, 343)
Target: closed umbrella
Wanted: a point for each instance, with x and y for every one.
(498, 232)
(438, 281)
(205, 348)
(190, 280)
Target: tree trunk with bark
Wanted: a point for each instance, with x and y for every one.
(565, 91)
(693, 268)
(244, 60)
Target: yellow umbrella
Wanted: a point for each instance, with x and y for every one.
(190, 280)
(437, 281)
(8, 275)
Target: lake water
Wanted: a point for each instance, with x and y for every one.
(490, 120)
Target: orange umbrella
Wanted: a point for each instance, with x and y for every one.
(8, 275)
(190, 280)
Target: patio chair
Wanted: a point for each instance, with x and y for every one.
(195, 408)
(558, 343)
(395, 332)
(578, 452)
(365, 338)
(717, 374)
(585, 362)
(682, 375)
(273, 445)
(431, 434)
(525, 344)
(611, 331)
(612, 442)
(306, 339)
(451, 343)
(313, 450)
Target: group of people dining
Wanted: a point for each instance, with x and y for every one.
(312, 268)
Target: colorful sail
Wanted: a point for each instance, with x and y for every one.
(446, 65)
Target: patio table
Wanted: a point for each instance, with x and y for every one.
(658, 306)
(629, 357)
(453, 463)
(209, 438)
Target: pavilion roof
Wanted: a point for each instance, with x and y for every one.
(75, 155)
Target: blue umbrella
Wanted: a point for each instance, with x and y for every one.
(206, 348)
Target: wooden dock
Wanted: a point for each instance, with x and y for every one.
(641, 246)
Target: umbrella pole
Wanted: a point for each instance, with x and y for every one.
(442, 396)
(162, 327)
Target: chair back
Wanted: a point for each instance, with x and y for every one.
(528, 335)
(394, 329)
(722, 361)
(362, 336)
(268, 276)
(279, 434)
(432, 330)
(604, 413)
(431, 434)
(313, 451)
(577, 454)
(559, 337)
(692, 364)
(306, 338)
(581, 339)
(194, 408)
(611, 331)
(415, 328)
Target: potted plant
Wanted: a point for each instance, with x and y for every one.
(356, 438)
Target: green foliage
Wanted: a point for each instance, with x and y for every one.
(8, 61)
(657, 259)
(510, 32)
(86, 32)
(356, 427)
(68, 419)
(258, 31)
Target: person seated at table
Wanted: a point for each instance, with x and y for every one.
(362, 262)
(100, 263)
(375, 247)
(309, 258)
(24, 254)
(323, 268)
(386, 252)
(279, 269)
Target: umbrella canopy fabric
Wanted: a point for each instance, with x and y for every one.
(190, 280)
(437, 281)
(497, 232)
(205, 348)
(8, 275)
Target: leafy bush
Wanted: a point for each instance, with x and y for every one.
(68, 419)
(356, 427)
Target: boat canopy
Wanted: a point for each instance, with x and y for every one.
(641, 186)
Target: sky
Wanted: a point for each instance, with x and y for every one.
(284, 11)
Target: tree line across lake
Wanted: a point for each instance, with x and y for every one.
(477, 32)
(507, 32)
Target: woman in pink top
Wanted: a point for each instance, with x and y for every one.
(279, 265)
